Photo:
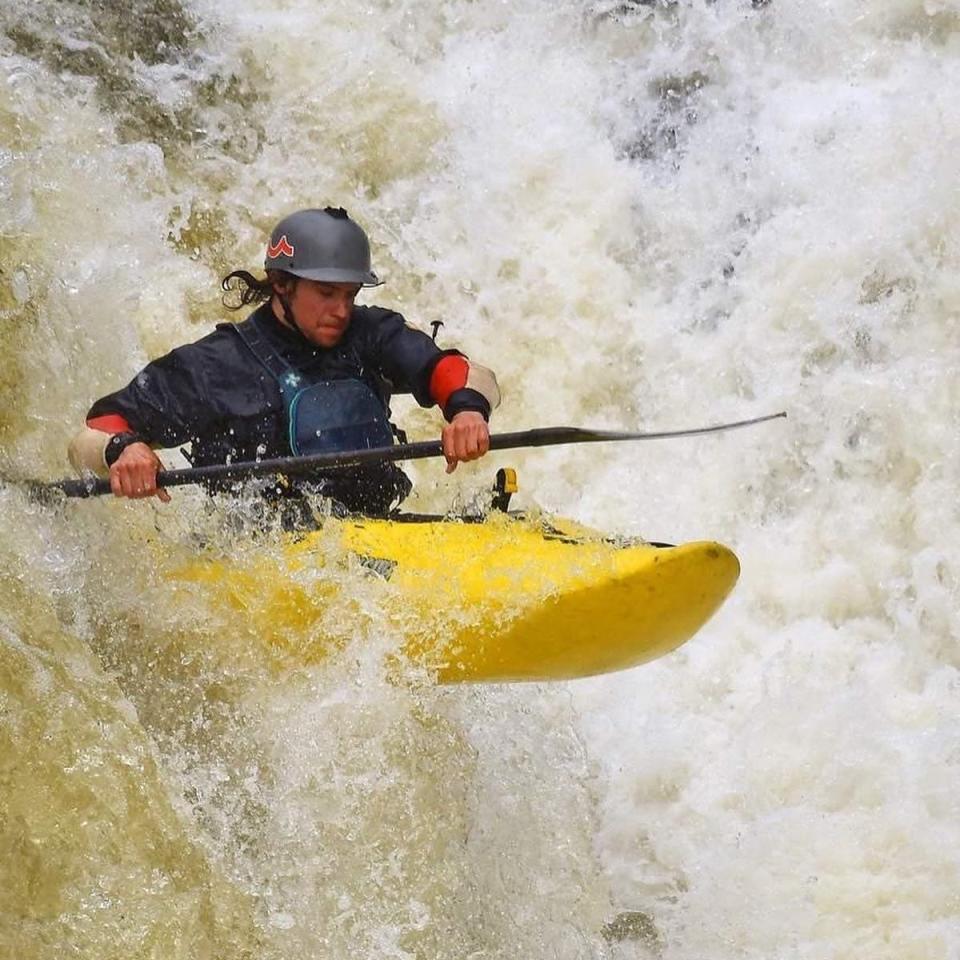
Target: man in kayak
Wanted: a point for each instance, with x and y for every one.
(307, 372)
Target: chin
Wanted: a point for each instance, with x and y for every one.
(327, 338)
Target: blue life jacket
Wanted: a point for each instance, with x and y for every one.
(325, 416)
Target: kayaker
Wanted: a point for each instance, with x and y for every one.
(308, 371)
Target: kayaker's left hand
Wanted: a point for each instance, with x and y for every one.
(465, 437)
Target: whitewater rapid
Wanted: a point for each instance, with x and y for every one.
(642, 215)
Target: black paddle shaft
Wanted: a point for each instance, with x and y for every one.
(305, 466)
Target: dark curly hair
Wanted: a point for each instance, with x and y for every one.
(241, 289)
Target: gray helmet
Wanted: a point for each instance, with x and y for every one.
(321, 245)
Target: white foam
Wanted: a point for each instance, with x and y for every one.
(640, 216)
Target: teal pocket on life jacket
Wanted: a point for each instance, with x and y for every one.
(337, 415)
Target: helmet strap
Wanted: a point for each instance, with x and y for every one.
(288, 313)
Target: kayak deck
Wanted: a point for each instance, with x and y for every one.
(503, 600)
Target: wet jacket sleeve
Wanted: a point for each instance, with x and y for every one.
(166, 403)
(413, 363)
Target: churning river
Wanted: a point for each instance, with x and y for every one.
(642, 215)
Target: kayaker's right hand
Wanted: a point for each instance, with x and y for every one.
(134, 473)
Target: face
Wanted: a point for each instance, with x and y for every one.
(322, 310)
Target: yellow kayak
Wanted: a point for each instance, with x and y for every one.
(505, 599)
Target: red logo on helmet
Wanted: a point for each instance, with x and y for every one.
(282, 248)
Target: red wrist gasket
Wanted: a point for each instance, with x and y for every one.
(450, 374)
(110, 423)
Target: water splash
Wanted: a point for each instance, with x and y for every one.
(641, 215)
